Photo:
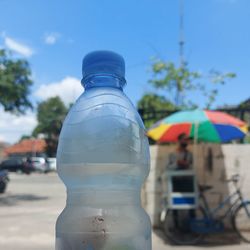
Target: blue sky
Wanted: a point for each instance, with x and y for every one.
(55, 35)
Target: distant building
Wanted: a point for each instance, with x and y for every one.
(27, 147)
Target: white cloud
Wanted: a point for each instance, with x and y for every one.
(12, 127)
(68, 89)
(51, 38)
(18, 47)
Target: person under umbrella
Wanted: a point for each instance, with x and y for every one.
(181, 159)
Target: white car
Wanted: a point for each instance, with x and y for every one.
(39, 163)
(51, 164)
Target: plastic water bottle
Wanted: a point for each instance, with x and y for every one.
(103, 159)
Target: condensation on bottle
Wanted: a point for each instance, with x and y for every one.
(103, 160)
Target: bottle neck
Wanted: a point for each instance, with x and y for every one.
(102, 80)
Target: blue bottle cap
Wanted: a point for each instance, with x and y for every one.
(103, 62)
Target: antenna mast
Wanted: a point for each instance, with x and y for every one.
(181, 33)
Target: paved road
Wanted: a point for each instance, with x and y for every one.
(29, 209)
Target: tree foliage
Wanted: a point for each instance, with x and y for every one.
(179, 82)
(24, 137)
(154, 102)
(15, 83)
(245, 104)
(50, 115)
(151, 102)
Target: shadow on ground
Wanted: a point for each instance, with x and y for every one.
(219, 239)
(11, 200)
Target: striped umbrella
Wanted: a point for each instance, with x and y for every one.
(202, 125)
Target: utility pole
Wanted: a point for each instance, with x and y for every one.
(181, 33)
(179, 95)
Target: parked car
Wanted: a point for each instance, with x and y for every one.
(51, 164)
(4, 179)
(23, 165)
(39, 163)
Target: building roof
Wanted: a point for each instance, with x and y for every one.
(27, 146)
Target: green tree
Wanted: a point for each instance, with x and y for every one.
(24, 137)
(153, 102)
(179, 82)
(50, 115)
(245, 104)
(15, 83)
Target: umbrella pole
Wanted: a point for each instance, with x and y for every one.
(203, 168)
(196, 126)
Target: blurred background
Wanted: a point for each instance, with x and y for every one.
(179, 55)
